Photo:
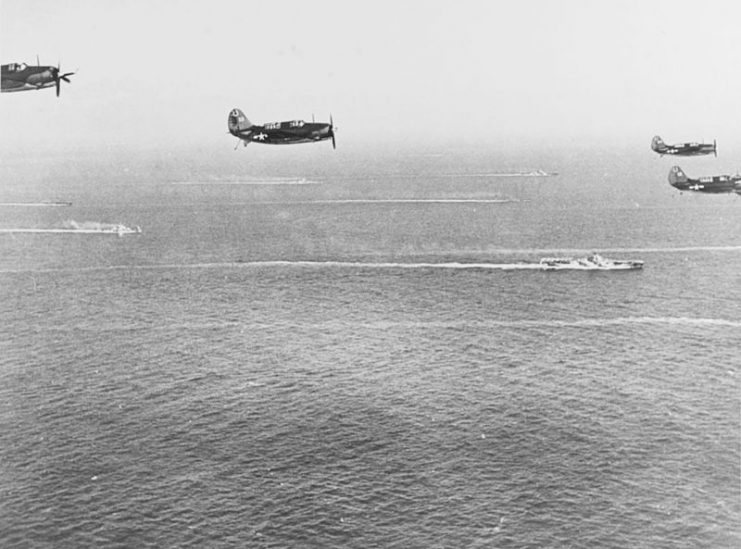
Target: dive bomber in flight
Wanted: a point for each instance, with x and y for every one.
(711, 184)
(279, 133)
(22, 77)
(683, 149)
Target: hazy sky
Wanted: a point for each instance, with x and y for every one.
(155, 72)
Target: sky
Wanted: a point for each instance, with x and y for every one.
(165, 73)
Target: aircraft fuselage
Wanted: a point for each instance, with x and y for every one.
(287, 133)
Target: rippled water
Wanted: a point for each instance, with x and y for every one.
(337, 359)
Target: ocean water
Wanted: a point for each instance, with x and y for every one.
(317, 348)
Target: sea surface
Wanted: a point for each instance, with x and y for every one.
(351, 349)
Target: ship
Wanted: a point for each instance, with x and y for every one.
(85, 228)
(93, 227)
(121, 230)
(593, 262)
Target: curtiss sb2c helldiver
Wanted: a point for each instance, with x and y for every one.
(279, 133)
(22, 77)
(683, 149)
(710, 184)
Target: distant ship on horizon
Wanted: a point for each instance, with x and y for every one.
(593, 262)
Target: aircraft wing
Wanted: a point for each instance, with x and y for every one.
(286, 135)
(10, 84)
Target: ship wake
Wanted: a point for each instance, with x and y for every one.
(74, 227)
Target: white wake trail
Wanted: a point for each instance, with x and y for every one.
(622, 321)
(291, 264)
(73, 227)
(37, 204)
(397, 201)
(392, 265)
(61, 231)
(267, 181)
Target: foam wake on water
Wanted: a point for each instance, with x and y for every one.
(73, 227)
(255, 181)
(600, 322)
(90, 226)
(483, 323)
(622, 321)
(399, 201)
(38, 204)
(533, 173)
(290, 264)
(394, 265)
(455, 175)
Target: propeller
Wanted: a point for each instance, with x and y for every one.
(331, 131)
(715, 149)
(59, 77)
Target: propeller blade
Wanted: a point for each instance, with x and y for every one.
(715, 148)
(331, 131)
(59, 77)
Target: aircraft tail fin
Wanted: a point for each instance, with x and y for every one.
(238, 122)
(677, 176)
(657, 144)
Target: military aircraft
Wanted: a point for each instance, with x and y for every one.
(21, 77)
(279, 133)
(683, 149)
(714, 184)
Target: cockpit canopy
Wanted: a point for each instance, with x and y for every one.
(293, 124)
(17, 67)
